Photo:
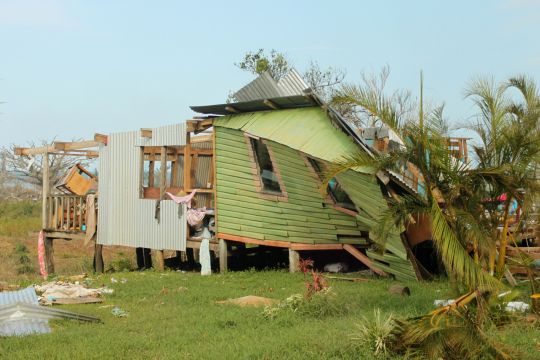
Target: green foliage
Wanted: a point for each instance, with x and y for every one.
(19, 218)
(24, 263)
(258, 62)
(376, 333)
(121, 264)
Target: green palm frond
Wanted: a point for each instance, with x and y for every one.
(455, 256)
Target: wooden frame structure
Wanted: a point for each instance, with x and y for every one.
(71, 206)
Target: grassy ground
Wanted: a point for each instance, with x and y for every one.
(19, 226)
(173, 315)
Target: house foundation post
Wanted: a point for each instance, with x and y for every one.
(98, 259)
(49, 255)
(294, 261)
(222, 246)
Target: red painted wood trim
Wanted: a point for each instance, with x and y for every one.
(247, 240)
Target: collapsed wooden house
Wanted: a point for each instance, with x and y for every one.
(258, 163)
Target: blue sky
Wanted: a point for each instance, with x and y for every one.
(69, 69)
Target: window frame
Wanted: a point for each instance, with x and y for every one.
(153, 189)
(257, 176)
(330, 198)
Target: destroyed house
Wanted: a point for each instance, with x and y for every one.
(257, 164)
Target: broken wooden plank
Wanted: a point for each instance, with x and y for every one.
(363, 258)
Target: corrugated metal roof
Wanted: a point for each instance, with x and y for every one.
(265, 87)
(13, 323)
(289, 102)
(27, 296)
(293, 84)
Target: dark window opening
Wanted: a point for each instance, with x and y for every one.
(269, 178)
(338, 195)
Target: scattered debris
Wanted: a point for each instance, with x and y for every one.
(399, 290)
(443, 302)
(339, 267)
(61, 292)
(514, 306)
(118, 312)
(4, 286)
(21, 314)
(250, 300)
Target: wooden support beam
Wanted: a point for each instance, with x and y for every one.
(146, 133)
(141, 174)
(294, 261)
(363, 259)
(163, 172)
(75, 145)
(21, 151)
(101, 138)
(45, 190)
(222, 246)
(187, 163)
(201, 139)
(198, 125)
(271, 104)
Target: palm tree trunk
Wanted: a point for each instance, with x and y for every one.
(504, 239)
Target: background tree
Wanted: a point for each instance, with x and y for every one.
(508, 127)
(29, 169)
(258, 62)
(321, 81)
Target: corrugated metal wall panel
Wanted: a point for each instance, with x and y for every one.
(21, 326)
(27, 296)
(125, 219)
(168, 135)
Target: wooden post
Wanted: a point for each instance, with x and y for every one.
(294, 261)
(45, 189)
(49, 255)
(98, 259)
(158, 253)
(222, 245)
(158, 259)
(187, 164)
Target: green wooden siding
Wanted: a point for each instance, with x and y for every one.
(302, 129)
(303, 218)
(367, 196)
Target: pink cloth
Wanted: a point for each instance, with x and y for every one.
(195, 216)
(183, 199)
(41, 255)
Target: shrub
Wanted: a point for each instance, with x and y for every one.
(376, 333)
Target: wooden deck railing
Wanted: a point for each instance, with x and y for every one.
(66, 213)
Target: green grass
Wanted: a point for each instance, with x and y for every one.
(168, 321)
(19, 218)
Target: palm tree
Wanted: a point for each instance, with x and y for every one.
(452, 197)
(509, 132)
